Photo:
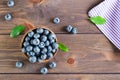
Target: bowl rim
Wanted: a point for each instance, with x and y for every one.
(32, 30)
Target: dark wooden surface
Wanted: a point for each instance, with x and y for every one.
(95, 57)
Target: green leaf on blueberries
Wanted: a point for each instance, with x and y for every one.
(98, 20)
(63, 47)
(16, 31)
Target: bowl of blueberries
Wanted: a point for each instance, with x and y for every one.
(39, 45)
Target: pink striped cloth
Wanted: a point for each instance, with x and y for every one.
(109, 9)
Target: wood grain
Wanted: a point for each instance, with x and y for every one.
(93, 53)
(69, 11)
(59, 77)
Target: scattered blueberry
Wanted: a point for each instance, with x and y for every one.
(43, 38)
(43, 56)
(69, 28)
(56, 20)
(19, 64)
(25, 44)
(42, 45)
(8, 17)
(39, 30)
(10, 3)
(36, 35)
(33, 59)
(44, 70)
(46, 32)
(47, 43)
(35, 41)
(30, 34)
(74, 31)
(36, 50)
(52, 65)
(29, 48)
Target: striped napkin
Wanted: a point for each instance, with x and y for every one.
(110, 10)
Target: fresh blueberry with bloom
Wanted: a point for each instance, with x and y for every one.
(56, 20)
(43, 56)
(33, 59)
(8, 17)
(74, 31)
(30, 34)
(69, 28)
(44, 70)
(10, 3)
(39, 30)
(19, 64)
(52, 65)
(42, 45)
(43, 38)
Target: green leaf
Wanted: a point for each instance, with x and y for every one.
(16, 31)
(63, 47)
(98, 20)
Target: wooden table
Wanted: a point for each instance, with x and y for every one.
(95, 57)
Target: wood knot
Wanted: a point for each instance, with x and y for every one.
(36, 1)
(70, 61)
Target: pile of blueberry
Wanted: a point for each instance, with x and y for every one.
(39, 45)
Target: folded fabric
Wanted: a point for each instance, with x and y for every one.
(110, 10)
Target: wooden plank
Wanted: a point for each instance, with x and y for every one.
(93, 53)
(60, 77)
(69, 11)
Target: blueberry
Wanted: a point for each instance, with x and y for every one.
(36, 50)
(74, 31)
(69, 28)
(47, 43)
(29, 48)
(19, 64)
(31, 53)
(52, 40)
(44, 50)
(27, 38)
(39, 30)
(8, 17)
(43, 56)
(25, 44)
(44, 70)
(52, 65)
(56, 20)
(42, 45)
(54, 50)
(43, 38)
(30, 34)
(10, 3)
(40, 60)
(46, 32)
(55, 46)
(49, 48)
(33, 59)
(35, 41)
(23, 50)
(52, 36)
(49, 55)
(36, 35)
